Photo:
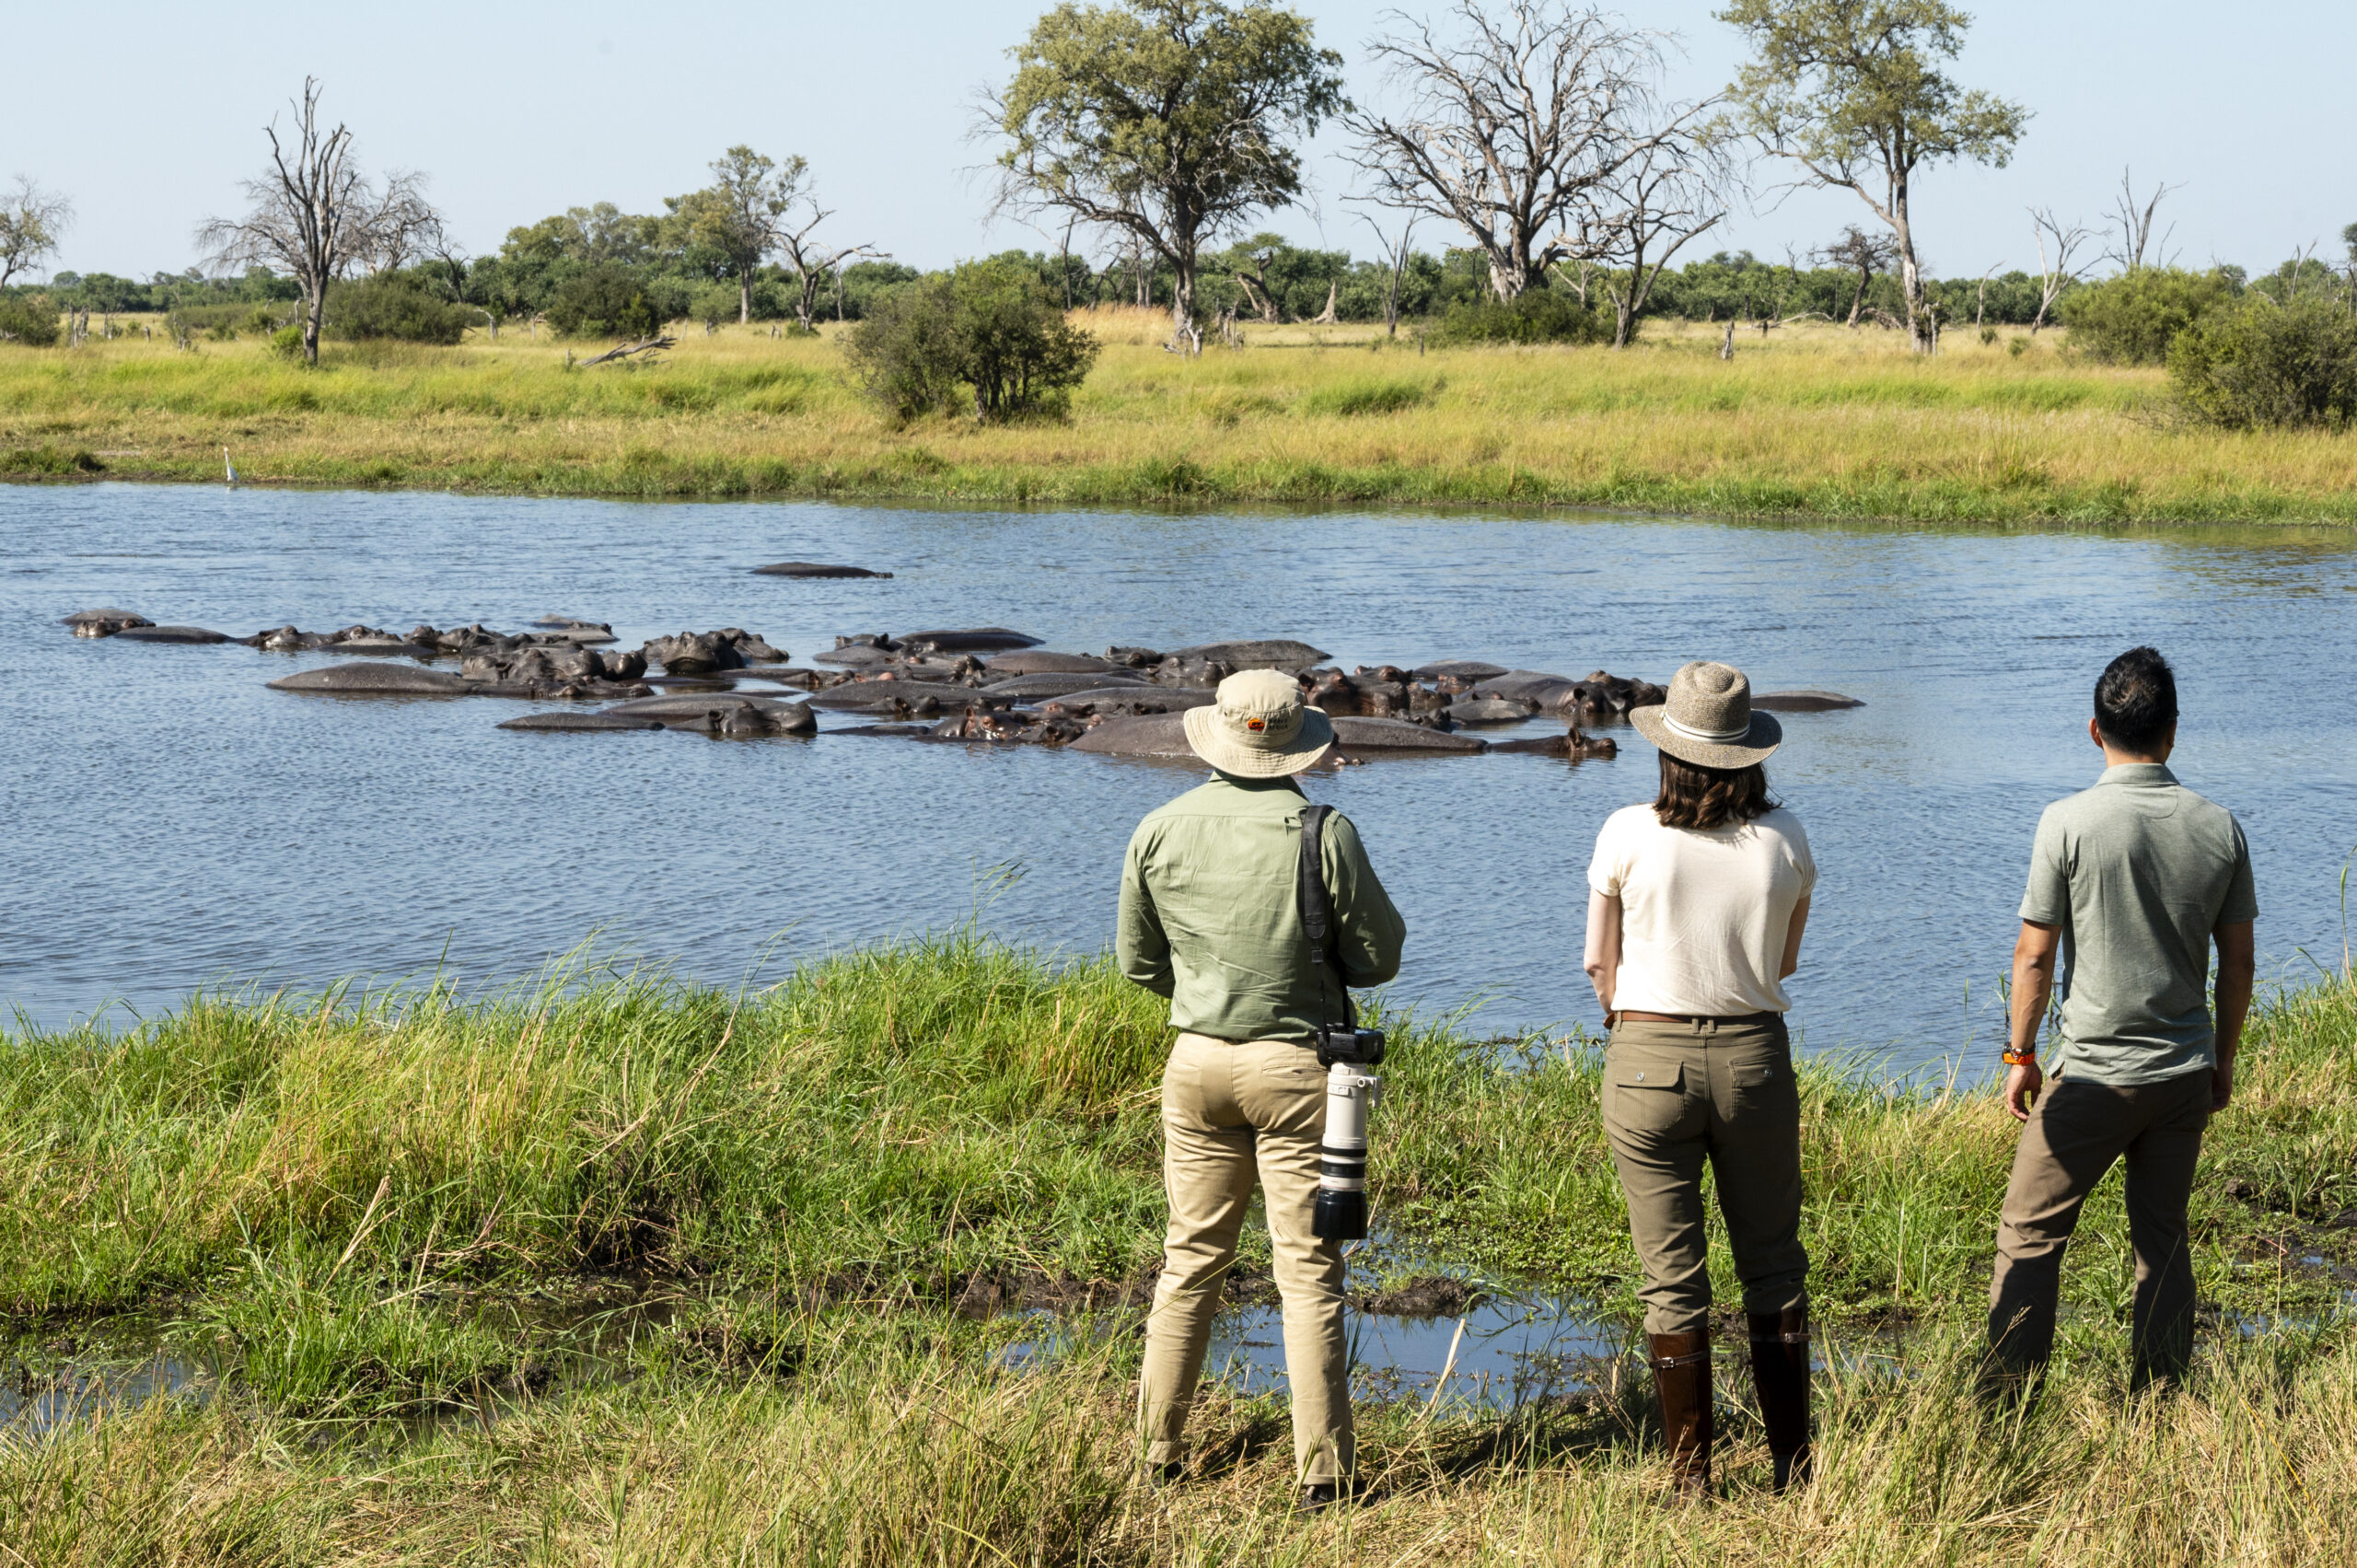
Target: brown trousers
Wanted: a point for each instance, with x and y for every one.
(1232, 1114)
(1675, 1095)
(2077, 1130)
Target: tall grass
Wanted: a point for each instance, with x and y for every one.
(1820, 421)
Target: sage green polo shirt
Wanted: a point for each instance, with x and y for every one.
(2138, 872)
(1211, 914)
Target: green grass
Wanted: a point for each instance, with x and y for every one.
(1823, 422)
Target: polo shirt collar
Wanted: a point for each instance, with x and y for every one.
(2138, 775)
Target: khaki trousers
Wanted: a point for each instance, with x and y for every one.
(1232, 1113)
(2077, 1130)
(1675, 1095)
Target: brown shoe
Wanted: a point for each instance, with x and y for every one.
(1780, 1376)
(1681, 1369)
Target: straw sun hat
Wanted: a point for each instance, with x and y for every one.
(1259, 728)
(1708, 720)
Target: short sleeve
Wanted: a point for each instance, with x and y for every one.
(2047, 900)
(1608, 873)
(1803, 858)
(2242, 897)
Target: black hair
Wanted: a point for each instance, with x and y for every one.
(1696, 796)
(2136, 701)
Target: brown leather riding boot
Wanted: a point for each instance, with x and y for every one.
(1779, 1375)
(1681, 1369)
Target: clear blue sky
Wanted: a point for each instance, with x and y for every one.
(521, 108)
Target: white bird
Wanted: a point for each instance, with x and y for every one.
(230, 468)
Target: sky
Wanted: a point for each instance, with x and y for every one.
(518, 109)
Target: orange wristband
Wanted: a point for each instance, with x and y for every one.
(2020, 1057)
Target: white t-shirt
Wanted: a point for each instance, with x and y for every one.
(1704, 912)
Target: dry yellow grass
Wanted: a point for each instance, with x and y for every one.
(1812, 421)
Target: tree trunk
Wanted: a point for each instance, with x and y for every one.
(1858, 300)
(1920, 331)
(1726, 345)
(315, 307)
(744, 299)
(1183, 335)
(1326, 318)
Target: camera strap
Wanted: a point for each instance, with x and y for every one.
(1316, 909)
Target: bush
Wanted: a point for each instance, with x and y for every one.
(287, 343)
(1535, 316)
(603, 301)
(392, 306)
(2132, 319)
(716, 305)
(2265, 363)
(987, 326)
(28, 318)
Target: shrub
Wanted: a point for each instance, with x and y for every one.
(1535, 316)
(2132, 319)
(392, 306)
(28, 318)
(603, 301)
(987, 326)
(2265, 363)
(716, 305)
(287, 343)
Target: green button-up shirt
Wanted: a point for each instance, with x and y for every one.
(1211, 914)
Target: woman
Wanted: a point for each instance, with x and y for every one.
(1695, 908)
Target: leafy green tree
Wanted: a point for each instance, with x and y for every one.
(991, 326)
(2262, 364)
(749, 213)
(604, 300)
(28, 318)
(31, 222)
(1850, 93)
(1166, 120)
(2133, 319)
(397, 305)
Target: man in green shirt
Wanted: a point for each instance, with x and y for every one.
(1211, 918)
(2134, 881)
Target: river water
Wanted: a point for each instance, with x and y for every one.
(172, 824)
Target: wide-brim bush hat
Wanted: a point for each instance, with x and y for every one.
(1258, 727)
(1709, 721)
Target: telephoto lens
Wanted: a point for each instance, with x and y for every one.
(1341, 1214)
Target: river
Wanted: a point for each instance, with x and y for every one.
(172, 824)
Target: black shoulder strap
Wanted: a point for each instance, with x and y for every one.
(1316, 904)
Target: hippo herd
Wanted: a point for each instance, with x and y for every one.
(976, 684)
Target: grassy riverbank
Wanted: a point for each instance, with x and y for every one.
(1816, 421)
(360, 1212)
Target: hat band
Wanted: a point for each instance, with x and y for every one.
(1690, 732)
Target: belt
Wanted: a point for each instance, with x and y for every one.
(1633, 1015)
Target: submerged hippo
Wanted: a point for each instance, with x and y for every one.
(892, 696)
(1574, 745)
(104, 622)
(1525, 685)
(171, 634)
(1365, 736)
(579, 723)
(1040, 661)
(376, 680)
(1150, 735)
(967, 640)
(676, 708)
(1804, 702)
(1457, 669)
(1489, 710)
(813, 569)
(1026, 688)
(1134, 698)
(1264, 652)
(573, 623)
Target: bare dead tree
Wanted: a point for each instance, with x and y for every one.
(1641, 217)
(2134, 225)
(1516, 128)
(1395, 262)
(315, 214)
(1865, 253)
(812, 263)
(2055, 274)
(31, 222)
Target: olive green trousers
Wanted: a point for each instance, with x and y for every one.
(1676, 1096)
(1233, 1115)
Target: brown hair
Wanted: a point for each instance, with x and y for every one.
(1695, 797)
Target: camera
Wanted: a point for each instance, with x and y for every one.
(1342, 1042)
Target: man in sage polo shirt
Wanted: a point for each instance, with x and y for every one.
(2134, 880)
(1211, 918)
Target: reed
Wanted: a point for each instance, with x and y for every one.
(1818, 421)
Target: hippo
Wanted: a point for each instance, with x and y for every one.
(1457, 669)
(687, 710)
(372, 679)
(813, 569)
(1133, 658)
(807, 679)
(1602, 693)
(286, 640)
(1572, 744)
(1803, 701)
(1525, 685)
(104, 622)
(1024, 688)
(1357, 737)
(855, 656)
(744, 719)
(573, 623)
(1040, 661)
(967, 640)
(145, 634)
(1139, 698)
(573, 723)
(998, 725)
(891, 696)
(1150, 735)
(387, 647)
(1267, 653)
(1489, 710)
(694, 653)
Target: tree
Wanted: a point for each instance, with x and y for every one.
(1167, 121)
(316, 216)
(1867, 255)
(993, 326)
(1516, 130)
(31, 222)
(748, 214)
(2134, 224)
(2057, 274)
(1664, 196)
(1848, 92)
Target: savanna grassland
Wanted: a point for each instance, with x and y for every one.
(399, 1234)
(1814, 420)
